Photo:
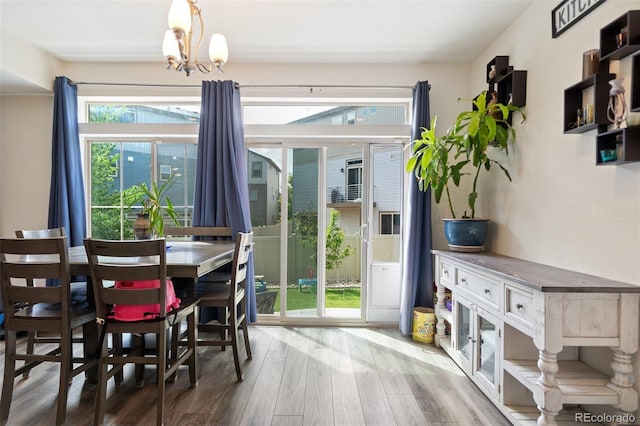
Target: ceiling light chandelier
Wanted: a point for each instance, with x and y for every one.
(177, 40)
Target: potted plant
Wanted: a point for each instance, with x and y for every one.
(150, 220)
(438, 161)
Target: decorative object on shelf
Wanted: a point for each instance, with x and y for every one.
(497, 67)
(566, 14)
(621, 37)
(177, 48)
(587, 116)
(439, 161)
(590, 62)
(617, 108)
(579, 117)
(492, 72)
(608, 155)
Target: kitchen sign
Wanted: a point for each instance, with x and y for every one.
(568, 12)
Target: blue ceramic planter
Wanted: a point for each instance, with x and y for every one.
(467, 235)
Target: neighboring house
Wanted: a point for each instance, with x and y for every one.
(264, 193)
(357, 115)
(344, 172)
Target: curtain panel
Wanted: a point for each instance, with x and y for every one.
(67, 198)
(222, 190)
(417, 278)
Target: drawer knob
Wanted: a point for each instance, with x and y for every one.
(519, 306)
(487, 291)
(463, 280)
(446, 272)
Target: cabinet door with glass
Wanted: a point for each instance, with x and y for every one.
(487, 334)
(463, 333)
(477, 343)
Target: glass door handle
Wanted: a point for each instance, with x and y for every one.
(363, 232)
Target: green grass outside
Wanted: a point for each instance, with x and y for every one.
(347, 297)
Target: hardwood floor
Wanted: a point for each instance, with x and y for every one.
(298, 376)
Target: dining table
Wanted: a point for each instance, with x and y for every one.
(186, 261)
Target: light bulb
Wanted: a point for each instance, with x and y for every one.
(180, 15)
(218, 51)
(170, 45)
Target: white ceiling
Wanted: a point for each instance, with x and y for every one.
(271, 31)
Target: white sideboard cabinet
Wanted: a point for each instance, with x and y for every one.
(516, 327)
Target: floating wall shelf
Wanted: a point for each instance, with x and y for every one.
(573, 101)
(635, 84)
(626, 143)
(621, 37)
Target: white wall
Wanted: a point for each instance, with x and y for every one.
(561, 209)
(25, 162)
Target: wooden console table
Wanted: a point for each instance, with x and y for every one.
(515, 328)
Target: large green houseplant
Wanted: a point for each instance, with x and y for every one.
(465, 149)
(156, 206)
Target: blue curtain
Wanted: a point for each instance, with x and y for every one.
(417, 279)
(222, 191)
(66, 199)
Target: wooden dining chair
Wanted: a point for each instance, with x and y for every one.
(138, 260)
(220, 276)
(232, 297)
(78, 289)
(45, 310)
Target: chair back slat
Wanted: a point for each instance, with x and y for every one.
(126, 260)
(40, 233)
(36, 246)
(29, 259)
(127, 272)
(33, 295)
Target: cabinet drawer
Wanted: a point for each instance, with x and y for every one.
(519, 304)
(486, 288)
(446, 273)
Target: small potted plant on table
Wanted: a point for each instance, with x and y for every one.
(156, 206)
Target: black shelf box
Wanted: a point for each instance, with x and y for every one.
(512, 88)
(625, 141)
(635, 84)
(573, 101)
(502, 67)
(611, 48)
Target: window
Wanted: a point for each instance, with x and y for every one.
(119, 162)
(256, 169)
(351, 117)
(113, 200)
(165, 172)
(324, 114)
(132, 113)
(150, 148)
(354, 179)
(390, 223)
(253, 194)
